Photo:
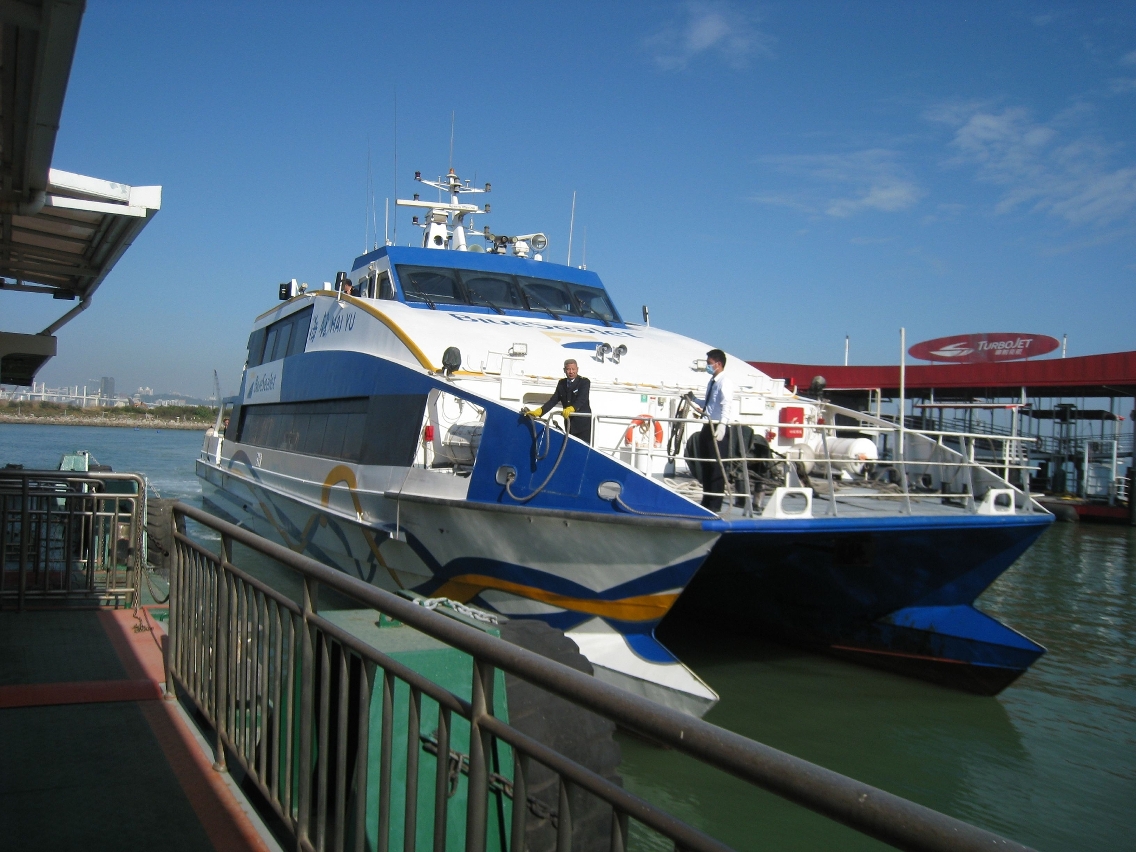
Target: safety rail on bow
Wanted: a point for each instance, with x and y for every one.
(71, 536)
(266, 670)
(908, 467)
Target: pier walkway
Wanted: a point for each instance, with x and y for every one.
(91, 757)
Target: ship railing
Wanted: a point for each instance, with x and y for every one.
(288, 693)
(919, 462)
(67, 536)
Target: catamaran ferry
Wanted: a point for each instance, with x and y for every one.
(384, 427)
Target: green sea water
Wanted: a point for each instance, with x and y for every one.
(1051, 762)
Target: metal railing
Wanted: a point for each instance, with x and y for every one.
(923, 465)
(64, 536)
(274, 678)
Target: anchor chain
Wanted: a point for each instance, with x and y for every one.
(458, 764)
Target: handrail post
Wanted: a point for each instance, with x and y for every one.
(310, 605)
(828, 468)
(221, 667)
(169, 646)
(25, 520)
(480, 748)
(745, 477)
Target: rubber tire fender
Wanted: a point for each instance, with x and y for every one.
(576, 733)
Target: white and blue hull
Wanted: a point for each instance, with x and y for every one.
(604, 577)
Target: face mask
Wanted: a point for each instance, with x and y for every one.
(710, 369)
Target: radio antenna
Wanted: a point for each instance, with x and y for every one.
(370, 202)
(584, 263)
(395, 230)
(453, 117)
(386, 221)
(571, 225)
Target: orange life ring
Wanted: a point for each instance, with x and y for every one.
(641, 422)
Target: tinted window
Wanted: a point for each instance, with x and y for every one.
(492, 289)
(256, 348)
(314, 428)
(386, 289)
(593, 302)
(270, 342)
(301, 322)
(393, 425)
(423, 284)
(547, 295)
(283, 338)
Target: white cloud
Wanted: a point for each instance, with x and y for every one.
(1051, 167)
(708, 27)
(1128, 58)
(1047, 18)
(1122, 85)
(843, 185)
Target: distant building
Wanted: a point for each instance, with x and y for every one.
(106, 388)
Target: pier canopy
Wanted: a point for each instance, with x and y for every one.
(60, 233)
(1092, 376)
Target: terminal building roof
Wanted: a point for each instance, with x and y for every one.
(1092, 376)
(60, 233)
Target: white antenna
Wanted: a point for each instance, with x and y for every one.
(220, 405)
(394, 236)
(453, 117)
(366, 211)
(584, 264)
(374, 213)
(846, 350)
(386, 221)
(571, 225)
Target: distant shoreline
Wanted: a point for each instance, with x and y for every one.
(119, 423)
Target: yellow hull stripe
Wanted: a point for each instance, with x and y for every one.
(641, 608)
(342, 473)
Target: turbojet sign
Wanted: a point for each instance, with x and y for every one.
(984, 348)
(262, 384)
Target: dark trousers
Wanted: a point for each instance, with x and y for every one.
(712, 479)
(580, 425)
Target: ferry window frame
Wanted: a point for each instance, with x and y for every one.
(302, 427)
(572, 304)
(264, 342)
(375, 430)
(283, 338)
(406, 271)
(302, 323)
(385, 287)
(520, 303)
(256, 348)
(527, 281)
(594, 292)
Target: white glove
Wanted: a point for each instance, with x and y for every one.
(720, 431)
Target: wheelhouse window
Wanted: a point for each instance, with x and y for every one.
(492, 289)
(593, 302)
(386, 289)
(432, 286)
(503, 292)
(546, 295)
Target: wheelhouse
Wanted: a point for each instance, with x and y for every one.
(483, 283)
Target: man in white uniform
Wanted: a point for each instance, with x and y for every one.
(718, 409)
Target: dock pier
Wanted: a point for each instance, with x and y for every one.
(334, 720)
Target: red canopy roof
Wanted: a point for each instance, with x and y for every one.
(1113, 374)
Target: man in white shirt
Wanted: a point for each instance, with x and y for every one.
(718, 409)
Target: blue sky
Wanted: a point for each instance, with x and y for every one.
(767, 177)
